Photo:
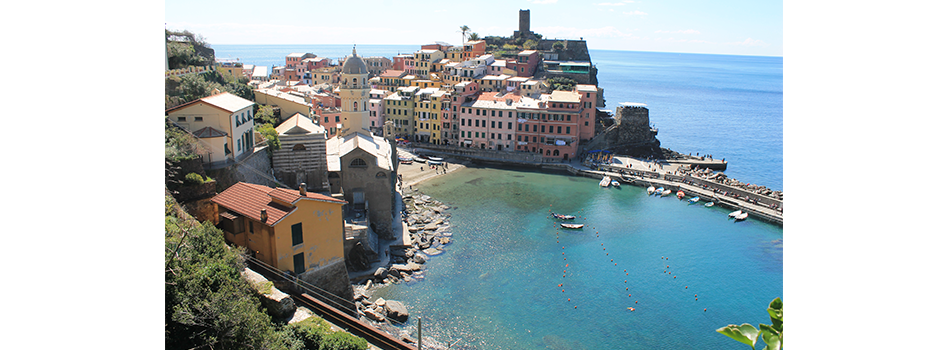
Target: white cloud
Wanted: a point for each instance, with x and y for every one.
(749, 42)
(542, 2)
(687, 31)
(638, 13)
(610, 4)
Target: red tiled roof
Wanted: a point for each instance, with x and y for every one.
(248, 200)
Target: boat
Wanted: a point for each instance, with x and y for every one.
(709, 204)
(615, 183)
(693, 200)
(563, 217)
(419, 159)
(605, 182)
(434, 162)
(742, 216)
(680, 194)
(437, 159)
(666, 193)
(650, 190)
(566, 225)
(658, 191)
(735, 213)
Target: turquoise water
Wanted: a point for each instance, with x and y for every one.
(497, 285)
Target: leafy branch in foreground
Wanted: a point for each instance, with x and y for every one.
(771, 334)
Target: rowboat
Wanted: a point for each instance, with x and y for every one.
(742, 216)
(565, 225)
(437, 159)
(563, 217)
(709, 204)
(693, 200)
(615, 183)
(605, 181)
(650, 190)
(658, 191)
(680, 194)
(735, 213)
(666, 193)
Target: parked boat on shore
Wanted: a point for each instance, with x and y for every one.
(573, 226)
(605, 181)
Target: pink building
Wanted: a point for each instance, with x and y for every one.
(527, 63)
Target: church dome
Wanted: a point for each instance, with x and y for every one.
(354, 65)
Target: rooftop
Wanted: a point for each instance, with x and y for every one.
(249, 199)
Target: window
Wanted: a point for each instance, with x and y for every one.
(299, 266)
(568, 129)
(198, 119)
(493, 124)
(535, 127)
(337, 119)
(296, 234)
(299, 147)
(183, 119)
(585, 123)
(509, 125)
(509, 137)
(558, 129)
(358, 163)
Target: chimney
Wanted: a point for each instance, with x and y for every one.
(264, 215)
(303, 189)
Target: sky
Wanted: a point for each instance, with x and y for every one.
(733, 27)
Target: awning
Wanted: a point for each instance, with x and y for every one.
(467, 142)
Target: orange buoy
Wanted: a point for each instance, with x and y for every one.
(568, 299)
(704, 310)
(695, 295)
(624, 281)
(687, 287)
(667, 266)
(697, 299)
(575, 306)
(628, 274)
(674, 276)
(565, 265)
(628, 288)
(636, 301)
(615, 264)
(611, 260)
(562, 291)
(629, 295)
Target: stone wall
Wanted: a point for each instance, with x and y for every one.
(307, 165)
(255, 169)
(334, 279)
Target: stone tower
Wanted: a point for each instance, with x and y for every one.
(524, 22)
(354, 96)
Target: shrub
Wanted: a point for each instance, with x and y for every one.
(316, 334)
(193, 179)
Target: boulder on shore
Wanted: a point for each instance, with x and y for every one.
(397, 311)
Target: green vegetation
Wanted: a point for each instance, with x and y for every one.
(209, 305)
(270, 134)
(559, 45)
(473, 36)
(465, 30)
(188, 49)
(771, 334)
(264, 114)
(316, 334)
(194, 179)
(180, 145)
(562, 83)
(530, 44)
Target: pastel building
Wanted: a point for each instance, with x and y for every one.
(224, 123)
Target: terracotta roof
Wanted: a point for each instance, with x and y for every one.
(248, 200)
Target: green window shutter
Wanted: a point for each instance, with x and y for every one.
(296, 233)
(299, 265)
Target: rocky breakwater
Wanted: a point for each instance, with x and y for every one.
(427, 223)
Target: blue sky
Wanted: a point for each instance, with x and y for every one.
(738, 27)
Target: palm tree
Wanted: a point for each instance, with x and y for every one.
(473, 37)
(464, 29)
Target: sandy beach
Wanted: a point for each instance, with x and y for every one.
(415, 173)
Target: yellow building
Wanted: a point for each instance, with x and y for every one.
(224, 123)
(400, 109)
(296, 231)
(428, 109)
(290, 103)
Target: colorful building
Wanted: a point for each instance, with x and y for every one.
(224, 123)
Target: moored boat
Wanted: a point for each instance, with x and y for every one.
(666, 193)
(605, 181)
(563, 217)
(735, 213)
(615, 183)
(693, 200)
(658, 191)
(742, 216)
(566, 225)
(650, 190)
(709, 204)
(680, 194)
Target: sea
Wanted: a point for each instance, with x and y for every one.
(644, 272)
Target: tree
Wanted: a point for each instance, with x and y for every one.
(473, 36)
(269, 133)
(264, 114)
(465, 30)
(771, 334)
(562, 83)
(530, 44)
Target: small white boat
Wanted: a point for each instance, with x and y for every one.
(650, 190)
(693, 200)
(666, 193)
(437, 159)
(735, 213)
(709, 204)
(615, 183)
(575, 226)
(605, 182)
(742, 216)
(658, 191)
